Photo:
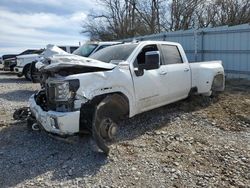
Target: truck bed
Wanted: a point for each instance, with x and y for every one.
(203, 72)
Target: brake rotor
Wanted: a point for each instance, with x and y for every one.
(108, 129)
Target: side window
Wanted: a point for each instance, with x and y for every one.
(101, 47)
(73, 48)
(171, 54)
(63, 48)
(140, 59)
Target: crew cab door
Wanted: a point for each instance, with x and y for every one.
(178, 74)
(148, 84)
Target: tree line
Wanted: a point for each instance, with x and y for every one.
(128, 18)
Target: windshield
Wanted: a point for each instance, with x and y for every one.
(115, 53)
(85, 50)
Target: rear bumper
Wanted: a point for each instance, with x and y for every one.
(61, 123)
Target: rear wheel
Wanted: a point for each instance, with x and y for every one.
(217, 85)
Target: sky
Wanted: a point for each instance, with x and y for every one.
(35, 23)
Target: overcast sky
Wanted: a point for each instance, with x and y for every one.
(36, 23)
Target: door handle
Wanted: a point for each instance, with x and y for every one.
(163, 73)
(186, 70)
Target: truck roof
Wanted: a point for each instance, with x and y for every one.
(103, 42)
(154, 42)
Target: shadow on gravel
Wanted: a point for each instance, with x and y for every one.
(25, 155)
(17, 95)
(14, 80)
(7, 73)
(160, 117)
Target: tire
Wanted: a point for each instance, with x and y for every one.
(217, 85)
(106, 117)
(214, 94)
(12, 68)
(34, 73)
(26, 72)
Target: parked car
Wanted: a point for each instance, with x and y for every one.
(1, 63)
(9, 60)
(49, 52)
(93, 94)
(85, 50)
(23, 62)
(69, 49)
(91, 47)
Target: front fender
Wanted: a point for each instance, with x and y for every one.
(105, 82)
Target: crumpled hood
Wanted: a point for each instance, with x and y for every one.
(75, 61)
(52, 50)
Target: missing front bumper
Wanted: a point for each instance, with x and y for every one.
(62, 123)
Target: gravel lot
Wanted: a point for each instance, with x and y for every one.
(198, 142)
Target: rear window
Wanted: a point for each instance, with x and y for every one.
(171, 54)
(115, 53)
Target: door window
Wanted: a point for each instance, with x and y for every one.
(171, 54)
(101, 47)
(140, 59)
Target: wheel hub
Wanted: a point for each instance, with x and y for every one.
(108, 128)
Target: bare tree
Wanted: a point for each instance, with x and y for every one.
(128, 18)
(232, 12)
(182, 14)
(149, 13)
(223, 12)
(117, 21)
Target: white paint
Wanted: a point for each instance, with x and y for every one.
(152, 89)
(23, 60)
(49, 52)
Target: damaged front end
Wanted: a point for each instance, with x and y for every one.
(61, 95)
(59, 107)
(54, 107)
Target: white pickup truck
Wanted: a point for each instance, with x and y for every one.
(23, 62)
(92, 94)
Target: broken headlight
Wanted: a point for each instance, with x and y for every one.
(64, 90)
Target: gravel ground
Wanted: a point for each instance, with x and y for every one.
(198, 142)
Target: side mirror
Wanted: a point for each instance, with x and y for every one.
(152, 60)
